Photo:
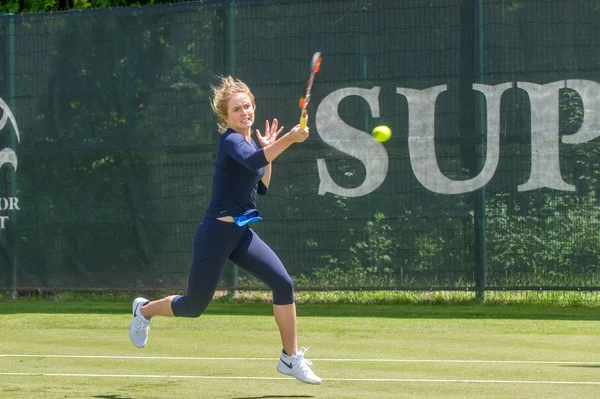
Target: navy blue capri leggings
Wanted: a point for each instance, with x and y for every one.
(215, 242)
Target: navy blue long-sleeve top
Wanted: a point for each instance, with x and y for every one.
(239, 166)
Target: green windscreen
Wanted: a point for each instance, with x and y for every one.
(490, 179)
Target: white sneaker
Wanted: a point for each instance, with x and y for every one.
(297, 367)
(139, 327)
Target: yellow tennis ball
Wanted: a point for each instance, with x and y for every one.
(381, 133)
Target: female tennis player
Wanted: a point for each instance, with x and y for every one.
(242, 170)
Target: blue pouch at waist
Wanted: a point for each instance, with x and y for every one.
(251, 216)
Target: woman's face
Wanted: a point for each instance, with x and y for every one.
(240, 113)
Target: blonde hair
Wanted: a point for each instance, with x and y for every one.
(222, 92)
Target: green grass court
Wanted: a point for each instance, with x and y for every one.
(73, 349)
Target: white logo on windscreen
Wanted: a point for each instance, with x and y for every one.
(545, 137)
(8, 158)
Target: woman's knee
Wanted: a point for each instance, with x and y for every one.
(184, 307)
(283, 291)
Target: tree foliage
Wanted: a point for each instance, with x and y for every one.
(32, 6)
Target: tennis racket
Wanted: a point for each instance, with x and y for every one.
(315, 65)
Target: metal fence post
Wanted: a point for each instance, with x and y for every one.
(481, 239)
(470, 66)
(12, 181)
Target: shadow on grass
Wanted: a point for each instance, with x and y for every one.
(112, 397)
(464, 311)
(274, 397)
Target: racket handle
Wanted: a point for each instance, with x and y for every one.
(303, 122)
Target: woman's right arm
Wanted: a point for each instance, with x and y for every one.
(296, 135)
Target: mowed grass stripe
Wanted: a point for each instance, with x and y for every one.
(327, 370)
(270, 359)
(213, 377)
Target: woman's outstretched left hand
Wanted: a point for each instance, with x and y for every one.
(271, 133)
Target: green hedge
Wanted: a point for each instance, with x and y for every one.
(30, 6)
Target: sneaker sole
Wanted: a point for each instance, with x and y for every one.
(286, 371)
